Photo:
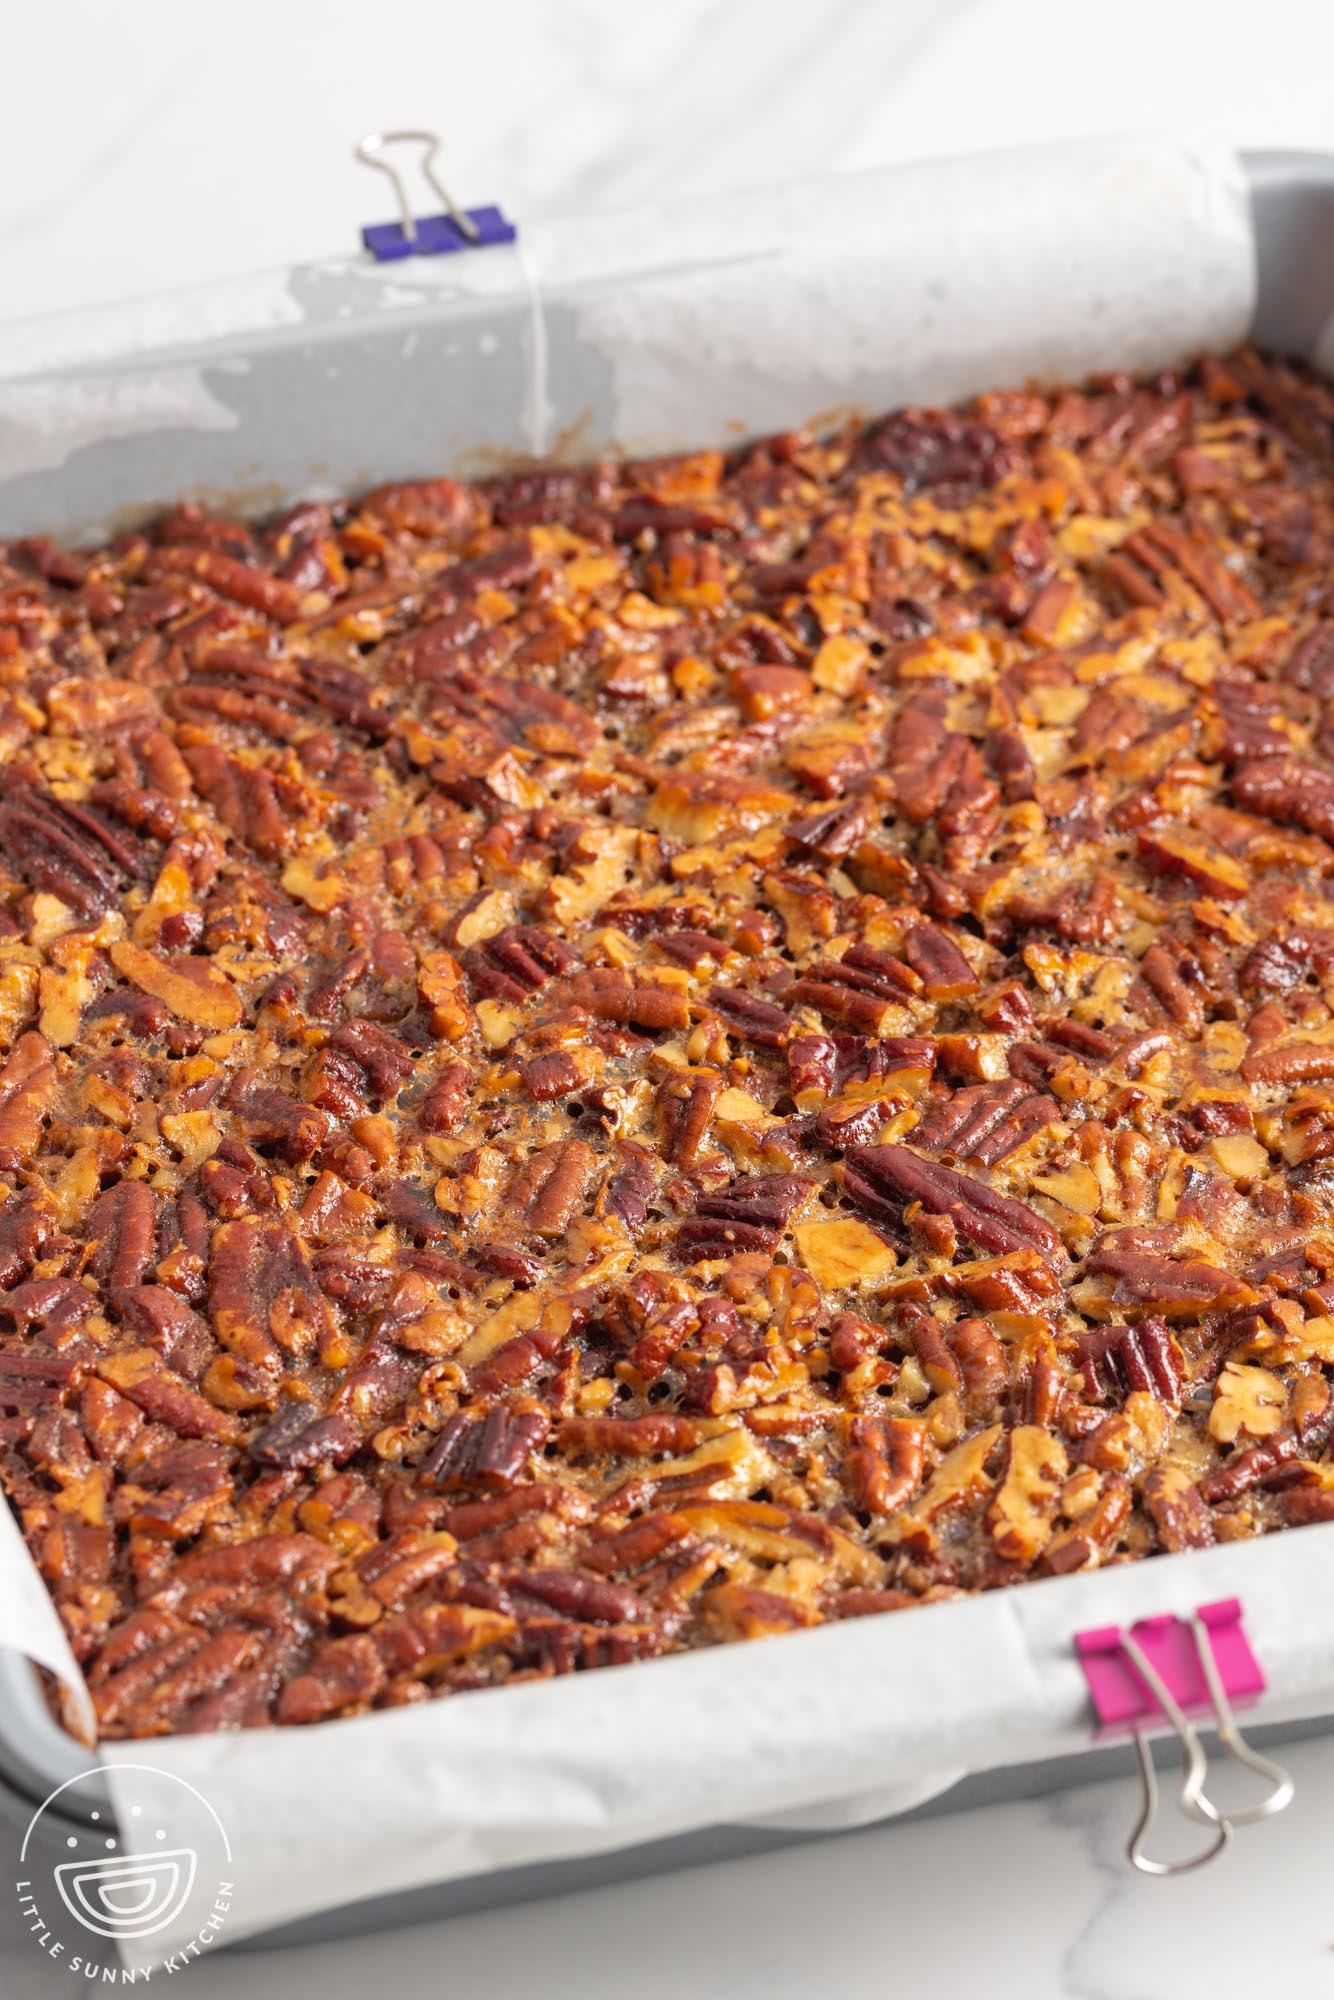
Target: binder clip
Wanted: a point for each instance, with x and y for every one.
(1157, 1671)
(426, 235)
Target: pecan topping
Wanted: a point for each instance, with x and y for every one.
(635, 1056)
(626, 1437)
(1025, 1501)
(122, 1229)
(1179, 1289)
(191, 988)
(630, 1188)
(263, 1298)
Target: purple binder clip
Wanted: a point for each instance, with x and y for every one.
(435, 235)
(1157, 1672)
(426, 235)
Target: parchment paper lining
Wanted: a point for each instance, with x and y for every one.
(686, 326)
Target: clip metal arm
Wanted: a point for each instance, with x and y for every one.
(1234, 1743)
(1194, 1801)
(369, 150)
(1194, 1766)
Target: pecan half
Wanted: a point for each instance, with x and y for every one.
(987, 1122)
(485, 1447)
(65, 849)
(750, 1215)
(882, 1180)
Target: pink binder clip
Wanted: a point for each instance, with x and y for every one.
(1121, 1695)
(1158, 1671)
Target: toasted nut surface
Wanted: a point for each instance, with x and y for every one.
(626, 1058)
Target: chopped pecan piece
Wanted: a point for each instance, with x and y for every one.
(272, 1118)
(263, 1297)
(1093, 1534)
(1294, 794)
(944, 971)
(1182, 1519)
(300, 1437)
(32, 1381)
(631, 1187)
(516, 962)
(812, 1068)
(1258, 1465)
(345, 1673)
(27, 1226)
(1172, 1288)
(1170, 853)
(1021, 1511)
(582, 1597)
(685, 1110)
(139, 1374)
(554, 1074)
(27, 1093)
(886, 1462)
(626, 1437)
(754, 1020)
(193, 989)
(937, 448)
(122, 1227)
(422, 1641)
(445, 1104)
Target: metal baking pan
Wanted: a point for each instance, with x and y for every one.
(1292, 199)
(508, 1886)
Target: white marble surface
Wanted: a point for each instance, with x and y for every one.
(1030, 1900)
(184, 144)
(181, 144)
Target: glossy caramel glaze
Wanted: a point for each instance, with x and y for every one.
(621, 1059)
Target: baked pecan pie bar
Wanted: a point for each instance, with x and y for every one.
(620, 1059)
